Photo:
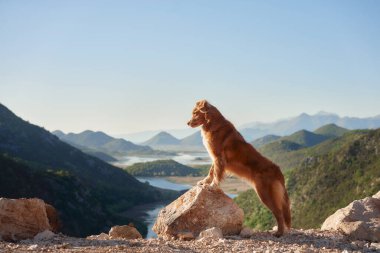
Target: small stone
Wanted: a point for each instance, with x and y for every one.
(246, 232)
(212, 233)
(33, 247)
(375, 246)
(101, 236)
(44, 236)
(185, 236)
(125, 232)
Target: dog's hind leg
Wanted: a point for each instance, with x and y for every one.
(272, 195)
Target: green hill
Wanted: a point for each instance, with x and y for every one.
(289, 151)
(80, 208)
(115, 189)
(161, 168)
(331, 130)
(265, 140)
(325, 178)
(305, 138)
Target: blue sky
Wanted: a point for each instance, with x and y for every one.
(128, 66)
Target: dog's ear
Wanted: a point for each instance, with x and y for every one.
(203, 106)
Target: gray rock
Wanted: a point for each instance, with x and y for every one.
(360, 220)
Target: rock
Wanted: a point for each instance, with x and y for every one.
(125, 232)
(199, 208)
(360, 220)
(186, 236)
(52, 215)
(246, 232)
(211, 233)
(33, 247)
(44, 236)
(22, 218)
(101, 236)
(375, 246)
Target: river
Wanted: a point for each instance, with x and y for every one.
(164, 184)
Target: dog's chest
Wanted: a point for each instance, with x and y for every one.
(207, 144)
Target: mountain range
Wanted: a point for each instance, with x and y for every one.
(104, 146)
(89, 194)
(165, 141)
(254, 130)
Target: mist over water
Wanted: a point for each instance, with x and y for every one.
(183, 158)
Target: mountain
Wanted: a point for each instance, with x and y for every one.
(322, 179)
(162, 139)
(308, 122)
(331, 130)
(282, 150)
(90, 194)
(265, 140)
(140, 137)
(305, 138)
(166, 141)
(95, 143)
(194, 139)
(162, 168)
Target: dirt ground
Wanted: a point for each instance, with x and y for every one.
(297, 241)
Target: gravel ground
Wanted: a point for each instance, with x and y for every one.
(296, 241)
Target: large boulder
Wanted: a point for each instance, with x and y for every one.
(360, 220)
(24, 218)
(199, 208)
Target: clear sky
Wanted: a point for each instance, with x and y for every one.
(127, 66)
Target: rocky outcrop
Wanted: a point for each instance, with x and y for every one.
(199, 208)
(25, 218)
(360, 220)
(124, 232)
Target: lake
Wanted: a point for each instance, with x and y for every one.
(184, 158)
(164, 184)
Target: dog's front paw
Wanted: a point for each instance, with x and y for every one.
(204, 182)
(214, 186)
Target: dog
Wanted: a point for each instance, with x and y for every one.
(230, 152)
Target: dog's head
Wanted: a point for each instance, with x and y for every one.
(199, 114)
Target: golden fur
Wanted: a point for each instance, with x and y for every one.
(230, 152)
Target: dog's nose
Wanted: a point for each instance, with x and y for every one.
(188, 123)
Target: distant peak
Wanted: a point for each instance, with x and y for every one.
(304, 115)
(87, 132)
(324, 113)
(164, 133)
(58, 132)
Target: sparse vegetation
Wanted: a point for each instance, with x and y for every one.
(324, 178)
